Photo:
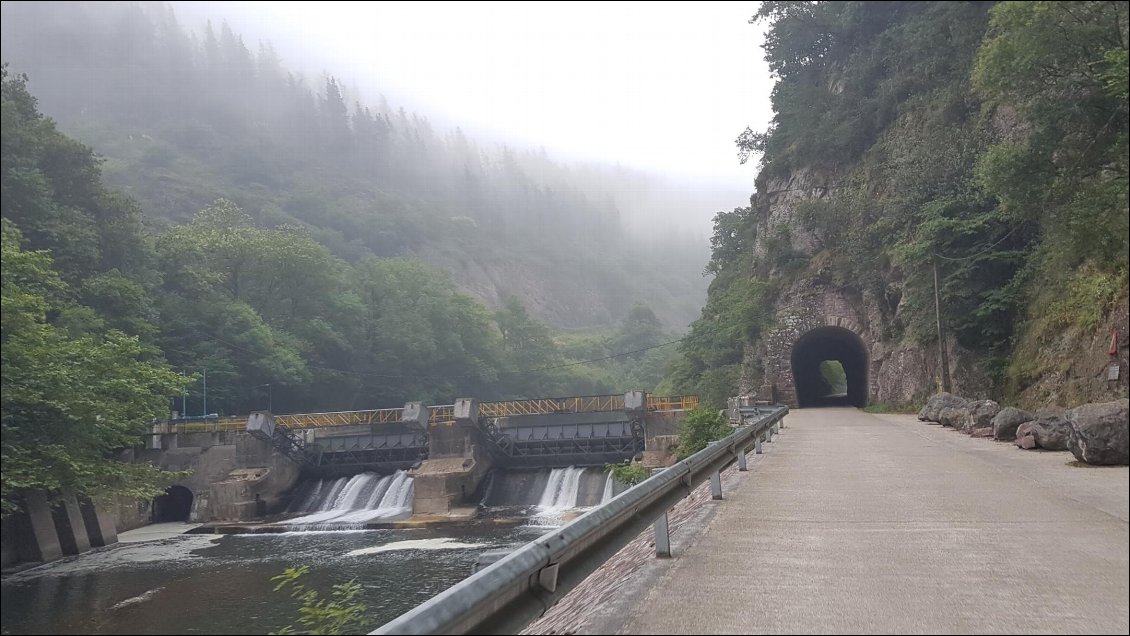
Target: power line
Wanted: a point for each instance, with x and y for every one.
(965, 258)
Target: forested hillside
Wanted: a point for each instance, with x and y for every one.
(107, 326)
(226, 235)
(989, 139)
(185, 114)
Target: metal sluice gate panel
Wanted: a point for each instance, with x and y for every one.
(394, 450)
(585, 444)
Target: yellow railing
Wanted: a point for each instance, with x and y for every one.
(584, 404)
(228, 423)
(339, 418)
(545, 406)
(671, 403)
(444, 414)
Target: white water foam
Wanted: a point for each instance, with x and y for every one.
(444, 543)
(609, 485)
(351, 502)
(559, 496)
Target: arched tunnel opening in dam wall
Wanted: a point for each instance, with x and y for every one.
(830, 344)
(174, 505)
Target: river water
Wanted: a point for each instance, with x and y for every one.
(220, 584)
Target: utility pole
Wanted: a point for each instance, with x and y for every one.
(183, 396)
(941, 339)
(270, 403)
(206, 387)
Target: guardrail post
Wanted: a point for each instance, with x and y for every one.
(757, 445)
(662, 537)
(777, 428)
(769, 434)
(740, 455)
(716, 486)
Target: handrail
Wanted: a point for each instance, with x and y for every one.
(438, 415)
(505, 596)
(338, 418)
(583, 404)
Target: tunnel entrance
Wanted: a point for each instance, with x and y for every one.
(830, 368)
(174, 505)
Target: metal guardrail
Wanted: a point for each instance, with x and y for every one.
(441, 415)
(438, 415)
(546, 406)
(671, 403)
(506, 596)
(208, 425)
(298, 421)
(583, 404)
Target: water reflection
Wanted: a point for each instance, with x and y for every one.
(210, 584)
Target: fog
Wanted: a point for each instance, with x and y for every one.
(573, 155)
(659, 92)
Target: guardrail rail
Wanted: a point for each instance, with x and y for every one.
(505, 596)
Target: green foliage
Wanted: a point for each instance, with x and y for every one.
(630, 474)
(833, 374)
(710, 356)
(51, 189)
(69, 401)
(888, 407)
(342, 613)
(1062, 67)
(986, 140)
(1091, 295)
(184, 120)
(699, 428)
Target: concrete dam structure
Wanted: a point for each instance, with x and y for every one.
(454, 456)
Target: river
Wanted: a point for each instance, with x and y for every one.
(221, 584)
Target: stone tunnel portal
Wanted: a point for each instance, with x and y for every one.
(823, 344)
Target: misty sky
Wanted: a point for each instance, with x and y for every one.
(658, 86)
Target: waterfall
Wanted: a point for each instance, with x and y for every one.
(351, 502)
(609, 485)
(489, 489)
(560, 494)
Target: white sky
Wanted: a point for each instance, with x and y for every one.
(664, 87)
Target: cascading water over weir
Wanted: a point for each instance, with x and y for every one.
(351, 502)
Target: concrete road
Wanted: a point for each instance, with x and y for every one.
(857, 523)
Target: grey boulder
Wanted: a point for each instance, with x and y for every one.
(1100, 433)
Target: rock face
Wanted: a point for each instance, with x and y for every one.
(1008, 420)
(979, 415)
(1100, 433)
(932, 412)
(1048, 431)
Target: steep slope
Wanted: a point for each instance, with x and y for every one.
(986, 141)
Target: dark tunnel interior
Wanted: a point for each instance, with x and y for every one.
(829, 343)
(174, 505)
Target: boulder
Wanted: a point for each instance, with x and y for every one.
(1048, 431)
(1100, 432)
(932, 412)
(979, 414)
(982, 432)
(1008, 420)
(953, 416)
